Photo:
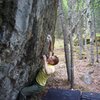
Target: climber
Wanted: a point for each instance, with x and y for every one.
(41, 78)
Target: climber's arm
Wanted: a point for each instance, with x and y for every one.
(47, 69)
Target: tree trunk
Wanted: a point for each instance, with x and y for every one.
(71, 61)
(91, 31)
(24, 27)
(91, 41)
(79, 34)
(97, 57)
(71, 14)
(85, 33)
(66, 39)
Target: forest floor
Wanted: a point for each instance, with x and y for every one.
(83, 72)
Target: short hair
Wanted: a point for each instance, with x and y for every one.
(56, 60)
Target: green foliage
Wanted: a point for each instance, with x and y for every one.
(97, 34)
(97, 19)
(98, 38)
(99, 52)
(65, 7)
(80, 4)
(59, 43)
(95, 8)
(95, 4)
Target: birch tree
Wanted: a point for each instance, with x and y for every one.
(65, 35)
(91, 31)
(94, 25)
(79, 34)
(70, 26)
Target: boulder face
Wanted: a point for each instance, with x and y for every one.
(24, 26)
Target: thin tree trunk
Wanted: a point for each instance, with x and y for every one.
(91, 31)
(71, 61)
(85, 36)
(97, 57)
(85, 33)
(65, 35)
(91, 39)
(70, 24)
(79, 33)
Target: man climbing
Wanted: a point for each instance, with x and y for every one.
(44, 73)
(41, 78)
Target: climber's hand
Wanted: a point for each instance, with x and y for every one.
(44, 57)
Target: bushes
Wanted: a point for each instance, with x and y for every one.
(88, 41)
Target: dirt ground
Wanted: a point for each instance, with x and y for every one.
(81, 68)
